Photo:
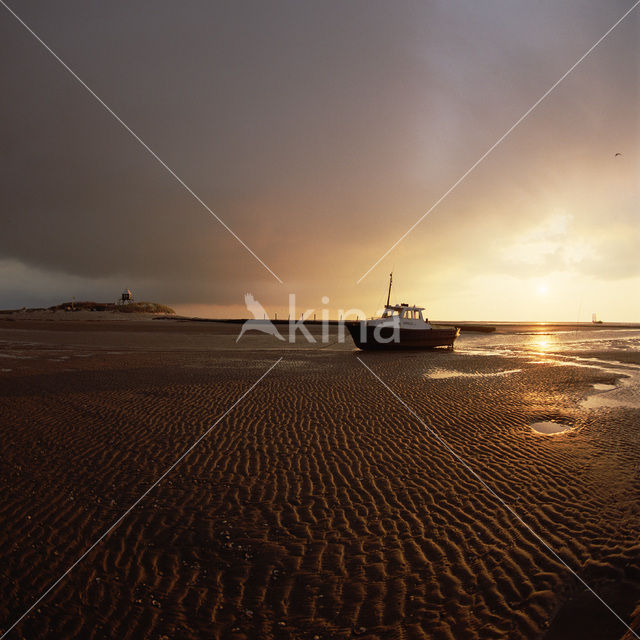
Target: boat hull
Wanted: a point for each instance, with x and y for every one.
(375, 337)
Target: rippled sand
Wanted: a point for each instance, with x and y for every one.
(319, 507)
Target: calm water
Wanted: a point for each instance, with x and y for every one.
(598, 349)
(554, 341)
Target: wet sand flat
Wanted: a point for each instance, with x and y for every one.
(320, 506)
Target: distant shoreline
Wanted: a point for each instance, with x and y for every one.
(104, 312)
(464, 325)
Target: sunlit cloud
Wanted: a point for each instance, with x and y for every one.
(553, 244)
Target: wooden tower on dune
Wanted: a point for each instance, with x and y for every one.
(126, 297)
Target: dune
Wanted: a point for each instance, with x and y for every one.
(82, 311)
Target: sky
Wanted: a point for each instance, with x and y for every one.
(320, 132)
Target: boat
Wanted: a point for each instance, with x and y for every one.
(401, 326)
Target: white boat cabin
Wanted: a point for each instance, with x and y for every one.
(403, 311)
(409, 317)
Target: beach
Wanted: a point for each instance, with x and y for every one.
(347, 494)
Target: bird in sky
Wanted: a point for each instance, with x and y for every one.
(617, 154)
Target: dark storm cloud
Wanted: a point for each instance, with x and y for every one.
(318, 131)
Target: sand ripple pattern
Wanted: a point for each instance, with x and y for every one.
(319, 507)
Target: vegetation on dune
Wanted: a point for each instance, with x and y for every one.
(129, 307)
(144, 307)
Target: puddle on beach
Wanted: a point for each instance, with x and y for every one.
(624, 394)
(599, 386)
(627, 396)
(549, 428)
(440, 374)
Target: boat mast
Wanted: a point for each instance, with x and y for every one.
(389, 293)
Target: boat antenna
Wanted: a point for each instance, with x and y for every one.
(389, 293)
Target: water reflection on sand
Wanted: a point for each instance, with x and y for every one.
(438, 374)
(547, 427)
(569, 349)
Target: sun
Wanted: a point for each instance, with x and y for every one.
(543, 289)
